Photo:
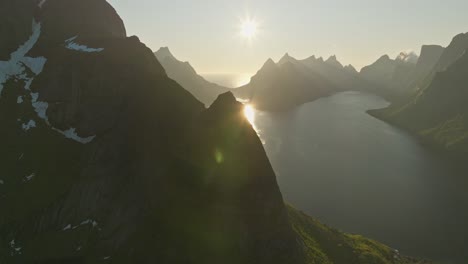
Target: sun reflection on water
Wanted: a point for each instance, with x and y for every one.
(249, 113)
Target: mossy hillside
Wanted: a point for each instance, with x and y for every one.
(323, 244)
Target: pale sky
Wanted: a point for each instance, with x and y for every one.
(206, 32)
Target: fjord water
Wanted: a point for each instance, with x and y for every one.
(361, 175)
(229, 80)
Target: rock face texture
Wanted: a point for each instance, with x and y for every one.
(184, 74)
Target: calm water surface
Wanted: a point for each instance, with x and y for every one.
(361, 175)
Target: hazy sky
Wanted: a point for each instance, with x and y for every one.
(206, 32)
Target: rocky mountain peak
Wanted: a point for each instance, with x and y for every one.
(409, 57)
(225, 101)
(384, 58)
(333, 61)
(164, 53)
(350, 68)
(286, 58)
(269, 65)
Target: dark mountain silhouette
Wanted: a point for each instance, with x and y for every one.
(104, 158)
(184, 74)
(437, 113)
(291, 82)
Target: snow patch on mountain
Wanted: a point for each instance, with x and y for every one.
(16, 66)
(15, 250)
(87, 222)
(29, 177)
(71, 45)
(41, 3)
(71, 134)
(29, 125)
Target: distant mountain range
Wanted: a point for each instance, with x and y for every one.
(438, 111)
(291, 82)
(427, 91)
(184, 74)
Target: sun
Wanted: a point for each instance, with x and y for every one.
(248, 28)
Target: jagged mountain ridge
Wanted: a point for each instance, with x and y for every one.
(187, 77)
(291, 82)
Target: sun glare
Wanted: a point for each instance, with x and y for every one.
(249, 113)
(249, 28)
